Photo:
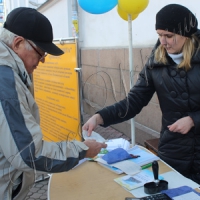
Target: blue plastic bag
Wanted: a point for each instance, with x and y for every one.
(116, 155)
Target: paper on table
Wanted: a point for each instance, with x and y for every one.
(145, 157)
(174, 192)
(98, 159)
(113, 169)
(127, 167)
(137, 180)
(189, 195)
(94, 136)
(174, 180)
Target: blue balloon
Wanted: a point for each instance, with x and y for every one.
(97, 6)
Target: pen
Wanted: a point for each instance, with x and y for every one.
(146, 166)
(134, 156)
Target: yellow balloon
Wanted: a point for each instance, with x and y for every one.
(133, 6)
(124, 15)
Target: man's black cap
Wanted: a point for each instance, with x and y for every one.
(32, 25)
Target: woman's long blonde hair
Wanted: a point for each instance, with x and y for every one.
(190, 46)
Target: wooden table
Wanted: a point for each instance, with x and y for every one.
(90, 181)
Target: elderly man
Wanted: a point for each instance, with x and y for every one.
(24, 42)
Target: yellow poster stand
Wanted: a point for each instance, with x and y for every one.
(56, 91)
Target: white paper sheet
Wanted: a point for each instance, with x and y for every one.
(94, 136)
(137, 180)
(127, 167)
(117, 143)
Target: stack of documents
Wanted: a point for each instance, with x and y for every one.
(145, 156)
(133, 165)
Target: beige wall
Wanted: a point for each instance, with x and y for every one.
(106, 80)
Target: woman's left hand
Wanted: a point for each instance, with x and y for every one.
(182, 125)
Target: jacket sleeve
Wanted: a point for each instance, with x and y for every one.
(196, 119)
(22, 145)
(137, 98)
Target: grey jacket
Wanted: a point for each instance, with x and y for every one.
(22, 150)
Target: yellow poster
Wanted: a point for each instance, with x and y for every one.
(56, 91)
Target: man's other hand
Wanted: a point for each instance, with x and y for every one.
(94, 148)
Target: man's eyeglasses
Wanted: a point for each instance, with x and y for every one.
(41, 56)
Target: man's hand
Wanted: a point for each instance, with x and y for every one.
(94, 148)
(182, 125)
(92, 123)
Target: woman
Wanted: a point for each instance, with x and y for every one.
(173, 72)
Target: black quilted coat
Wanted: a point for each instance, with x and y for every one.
(178, 92)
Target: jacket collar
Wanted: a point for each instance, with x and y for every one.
(9, 58)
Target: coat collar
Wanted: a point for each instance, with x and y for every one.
(9, 58)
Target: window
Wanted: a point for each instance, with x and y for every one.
(1, 9)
